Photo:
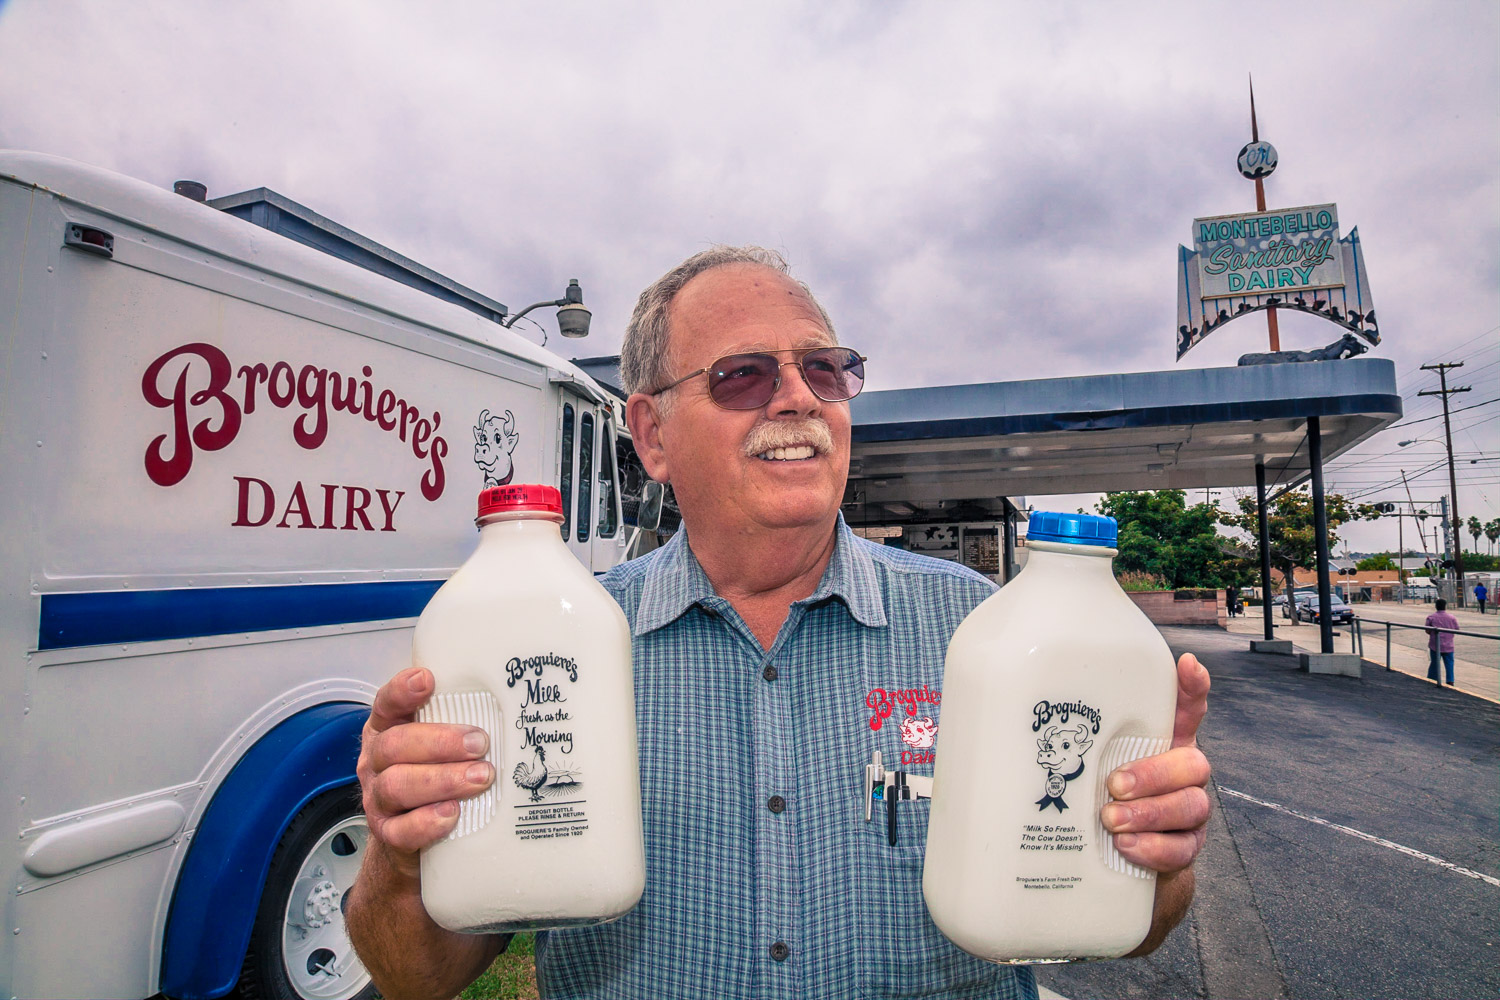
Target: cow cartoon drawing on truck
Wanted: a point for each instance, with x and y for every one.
(494, 440)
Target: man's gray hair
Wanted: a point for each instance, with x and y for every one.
(644, 364)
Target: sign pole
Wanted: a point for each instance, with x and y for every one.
(1260, 206)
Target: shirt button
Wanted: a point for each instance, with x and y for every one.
(769, 673)
(776, 804)
(779, 951)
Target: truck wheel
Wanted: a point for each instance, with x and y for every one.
(299, 947)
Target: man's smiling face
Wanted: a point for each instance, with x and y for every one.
(784, 464)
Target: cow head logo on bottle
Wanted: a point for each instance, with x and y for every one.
(1060, 753)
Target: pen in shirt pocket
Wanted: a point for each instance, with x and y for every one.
(892, 787)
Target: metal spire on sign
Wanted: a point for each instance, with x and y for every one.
(1254, 132)
(1260, 206)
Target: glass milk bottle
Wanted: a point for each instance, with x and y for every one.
(1049, 685)
(523, 643)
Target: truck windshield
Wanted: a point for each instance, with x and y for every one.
(585, 473)
(608, 521)
(565, 479)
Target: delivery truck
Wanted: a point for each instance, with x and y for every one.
(236, 467)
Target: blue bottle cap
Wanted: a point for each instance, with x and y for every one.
(1075, 529)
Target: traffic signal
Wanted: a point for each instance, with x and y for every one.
(1386, 508)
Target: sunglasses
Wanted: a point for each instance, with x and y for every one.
(748, 381)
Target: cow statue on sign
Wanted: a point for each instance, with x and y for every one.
(1347, 346)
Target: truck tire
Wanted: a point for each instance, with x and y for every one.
(299, 946)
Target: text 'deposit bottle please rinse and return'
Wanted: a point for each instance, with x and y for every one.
(1049, 685)
(525, 644)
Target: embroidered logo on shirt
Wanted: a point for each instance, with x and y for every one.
(920, 735)
(883, 702)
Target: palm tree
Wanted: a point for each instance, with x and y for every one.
(1492, 532)
(1476, 528)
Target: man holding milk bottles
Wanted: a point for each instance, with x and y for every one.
(773, 649)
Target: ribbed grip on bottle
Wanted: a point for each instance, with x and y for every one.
(470, 708)
(1121, 750)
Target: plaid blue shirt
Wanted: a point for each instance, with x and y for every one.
(762, 877)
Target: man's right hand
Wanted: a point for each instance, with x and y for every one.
(413, 774)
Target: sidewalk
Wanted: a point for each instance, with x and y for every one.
(1476, 662)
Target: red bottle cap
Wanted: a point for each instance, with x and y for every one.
(514, 499)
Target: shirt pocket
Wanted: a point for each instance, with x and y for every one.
(901, 951)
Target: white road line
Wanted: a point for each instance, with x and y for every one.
(1410, 852)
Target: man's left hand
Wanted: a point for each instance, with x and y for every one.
(1160, 814)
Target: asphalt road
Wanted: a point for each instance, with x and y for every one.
(1288, 906)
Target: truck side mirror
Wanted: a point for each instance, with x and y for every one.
(648, 514)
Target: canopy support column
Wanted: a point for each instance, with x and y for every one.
(1320, 531)
(1265, 548)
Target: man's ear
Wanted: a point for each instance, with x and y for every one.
(645, 422)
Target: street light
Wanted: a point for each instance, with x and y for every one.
(572, 315)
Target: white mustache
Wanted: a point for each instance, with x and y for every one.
(770, 434)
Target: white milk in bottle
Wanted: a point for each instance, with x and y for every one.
(523, 643)
(1049, 685)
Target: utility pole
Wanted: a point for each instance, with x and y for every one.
(1447, 531)
(1445, 392)
(1421, 531)
(1400, 560)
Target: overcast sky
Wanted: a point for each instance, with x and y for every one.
(976, 191)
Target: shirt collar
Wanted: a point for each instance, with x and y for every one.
(675, 582)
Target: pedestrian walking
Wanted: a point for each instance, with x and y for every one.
(1480, 593)
(1440, 644)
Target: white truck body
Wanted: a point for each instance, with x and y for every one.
(235, 468)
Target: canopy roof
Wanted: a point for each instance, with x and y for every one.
(1149, 430)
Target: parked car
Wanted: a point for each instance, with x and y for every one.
(1300, 597)
(1338, 612)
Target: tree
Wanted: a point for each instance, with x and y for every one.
(1380, 562)
(1476, 528)
(1492, 532)
(1160, 535)
(1290, 525)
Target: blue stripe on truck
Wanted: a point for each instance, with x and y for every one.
(92, 619)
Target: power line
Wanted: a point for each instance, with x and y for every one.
(1389, 483)
(1460, 347)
